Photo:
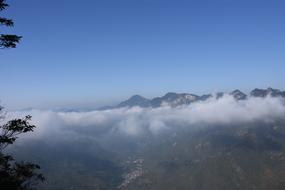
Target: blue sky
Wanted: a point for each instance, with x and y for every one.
(89, 53)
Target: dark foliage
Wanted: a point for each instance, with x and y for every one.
(16, 175)
(7, 40)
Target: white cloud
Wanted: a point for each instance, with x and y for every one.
(135, 121)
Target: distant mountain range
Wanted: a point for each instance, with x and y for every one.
(177, 99)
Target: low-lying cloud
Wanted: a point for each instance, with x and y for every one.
(135, 121)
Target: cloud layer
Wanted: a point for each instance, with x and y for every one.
(136, 121)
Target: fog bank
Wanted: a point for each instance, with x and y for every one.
(136, 121)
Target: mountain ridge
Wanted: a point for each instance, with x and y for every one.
(176, 99)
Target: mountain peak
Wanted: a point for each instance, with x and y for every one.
(266, 92)
(258, 92)
(170, 96)
(237, 91)
(174, 99)
(137, 97)
(135, 100)
(238, 95)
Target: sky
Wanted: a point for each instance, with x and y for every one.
(92, 53)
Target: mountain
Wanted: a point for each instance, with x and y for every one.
(183, 155)
(266, 92)
(238, 95)
(176, 99)
(171, 98)
(135, 100)
(205, 97)
(249, 157)
(219, 95)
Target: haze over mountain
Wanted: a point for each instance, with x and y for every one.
(177, 141)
